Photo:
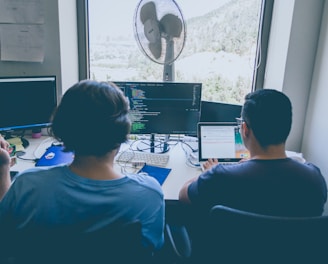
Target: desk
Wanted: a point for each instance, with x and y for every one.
(179, 174)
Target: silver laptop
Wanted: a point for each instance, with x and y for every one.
(220, 140)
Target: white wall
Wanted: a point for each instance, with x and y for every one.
(68, 43)
(315, 141)
(291, 57)
(282, 17)
(301, 72)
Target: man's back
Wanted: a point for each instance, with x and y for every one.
(281, 187)
(57, 198)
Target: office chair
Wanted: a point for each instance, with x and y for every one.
(236, 236)
(117, 243)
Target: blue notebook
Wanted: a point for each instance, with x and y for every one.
(54, 155)
(158, 173)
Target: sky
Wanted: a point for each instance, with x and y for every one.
(114, 16)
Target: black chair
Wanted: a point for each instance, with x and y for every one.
(235, 236)
(117, 243)
(231, 236)
(177, 246)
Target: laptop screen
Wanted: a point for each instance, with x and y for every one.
(220, 140)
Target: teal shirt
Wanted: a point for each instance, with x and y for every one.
(57, 197)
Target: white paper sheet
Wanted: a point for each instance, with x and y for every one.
(22, 42)
(22, 11)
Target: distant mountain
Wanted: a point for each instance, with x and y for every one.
(232, 27)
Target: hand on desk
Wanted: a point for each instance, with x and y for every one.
(209, 164)
(212, 162)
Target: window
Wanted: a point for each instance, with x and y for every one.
(220, 49)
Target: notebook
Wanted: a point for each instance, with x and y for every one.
(159, 173)
(54, 155)
(220, 140)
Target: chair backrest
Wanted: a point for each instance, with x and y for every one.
(235, 236)
(117, 243)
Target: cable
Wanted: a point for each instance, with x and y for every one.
(37, 153)
(187, 144)
(191, 159)
(39, 150)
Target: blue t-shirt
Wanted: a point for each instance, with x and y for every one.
(281, 187)
(57, 197)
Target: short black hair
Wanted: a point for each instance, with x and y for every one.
(92, 118)
(268, 113)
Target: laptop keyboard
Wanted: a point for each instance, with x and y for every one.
(138, 158)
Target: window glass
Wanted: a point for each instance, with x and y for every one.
(219, 49)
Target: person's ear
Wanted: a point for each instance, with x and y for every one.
(245, 129)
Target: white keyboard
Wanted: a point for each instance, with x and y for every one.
(138, 158)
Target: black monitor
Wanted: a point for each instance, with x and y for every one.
(219, 112)
(26, 102)
(163, 107)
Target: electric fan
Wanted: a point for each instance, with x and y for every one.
(160, 32)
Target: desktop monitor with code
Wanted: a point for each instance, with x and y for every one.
(163, 107)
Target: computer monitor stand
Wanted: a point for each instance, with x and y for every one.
(154, 145)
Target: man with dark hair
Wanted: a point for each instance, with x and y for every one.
(88, 194)
(269, 182)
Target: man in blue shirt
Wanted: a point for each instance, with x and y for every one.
(91, 121)
(269, 182)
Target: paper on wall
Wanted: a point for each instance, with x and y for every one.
(22, 42)
(22, 11)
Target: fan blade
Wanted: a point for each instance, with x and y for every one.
(148, 11)
(156, 49)
(151, 30)
(171, 25)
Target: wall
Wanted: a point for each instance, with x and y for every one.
(304, 76)
(68, 43)
(291, 57)
(315, 141)
(281, 23)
